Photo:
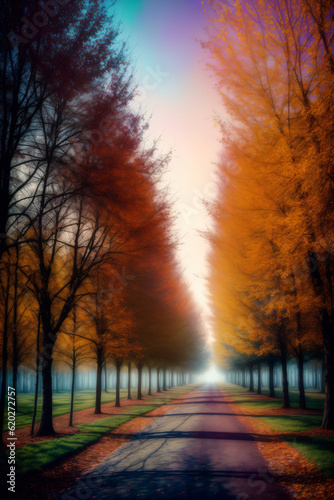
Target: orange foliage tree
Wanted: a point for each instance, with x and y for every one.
(275, 234)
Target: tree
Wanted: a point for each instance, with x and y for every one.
(166, 324)
(123, 344)
(17, 310)
(5, 287)
(51, 78)
(61, 267)
(37, 375)
(71, 351)
(66, 50)
(276, 71)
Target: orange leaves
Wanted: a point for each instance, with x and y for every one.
(270, 72)
(299, 475)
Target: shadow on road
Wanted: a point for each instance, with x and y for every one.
(198, 403)
(198, 484)
(234, 436)
(193, 454)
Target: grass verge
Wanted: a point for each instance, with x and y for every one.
(317, 449)
(47, 452)
(61, 404)
(35, 456)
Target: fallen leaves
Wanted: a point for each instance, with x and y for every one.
(54, 479)
(298, 475)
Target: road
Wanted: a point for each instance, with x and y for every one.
(198, 450)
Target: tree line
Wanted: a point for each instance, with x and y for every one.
(87, 265)
(272, 243)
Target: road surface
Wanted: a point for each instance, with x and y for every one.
(198, 450)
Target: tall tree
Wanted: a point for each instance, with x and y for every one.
(51, 50)
(71, 351)
(275, 73)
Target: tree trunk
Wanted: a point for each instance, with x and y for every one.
(259, 378)
(271, 379)
(316, 384)
(5, 197)
(37, 377)
(172, 379)
(300, 361)
(105, 378)
(328, 418)
(323, 288)
(323, 375)
(285, 383)
(140, 369)
(72, 394)
(243, 382)
(251, 378)
(149, 393)
(99, 364)
(4, 358)
(15, 307)
(129, 380)
(158, 380)
(118, 365)
(36, 389)
(46, 425)
(164, 386)
(49, 339)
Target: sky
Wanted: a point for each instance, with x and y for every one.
(178, 92)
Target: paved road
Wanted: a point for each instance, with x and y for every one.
(198, 450)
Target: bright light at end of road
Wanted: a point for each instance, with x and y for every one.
(213, 375)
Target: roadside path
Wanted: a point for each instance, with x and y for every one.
(198, 450)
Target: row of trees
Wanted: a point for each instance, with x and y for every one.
(272, 242)
(87, 261)
(263, 373)
(85, 379)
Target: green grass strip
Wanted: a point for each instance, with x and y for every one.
(60, 406)
(318, 450)
(82, 401)
(34, 456)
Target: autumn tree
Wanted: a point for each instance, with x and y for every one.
(5, 291)
(275, 74)
(17, 312)
(72, 351)
(167, 326)
(107, 327)
(52, 76)
(52, 51)
(60, 266)
(123, 346)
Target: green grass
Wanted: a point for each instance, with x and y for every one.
(35, 456)
(314, 400)
(293, 423)
(316, 449)
(61, 404)
(47, 452)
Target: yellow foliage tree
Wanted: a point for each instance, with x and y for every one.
(275, 72)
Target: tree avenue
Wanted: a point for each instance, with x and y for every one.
(88, 275)
(272, 244)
